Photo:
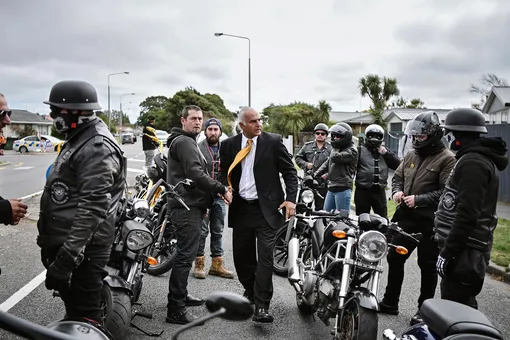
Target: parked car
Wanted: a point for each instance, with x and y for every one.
(34, 143)
(127, 137)
(162, 136)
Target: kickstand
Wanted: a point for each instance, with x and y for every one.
(144, 315)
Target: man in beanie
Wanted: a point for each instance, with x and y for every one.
(214, 221)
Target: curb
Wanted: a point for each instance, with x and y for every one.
(498, 270)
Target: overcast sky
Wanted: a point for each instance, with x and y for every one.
(301, 50)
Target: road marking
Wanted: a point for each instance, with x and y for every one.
(23, 292)
(32, 195)
(19, 164)
(136, 160)
(24, 168)
(135, 170)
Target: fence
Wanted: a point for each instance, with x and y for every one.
(503, 131)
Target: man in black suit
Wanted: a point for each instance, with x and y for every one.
(252, 163)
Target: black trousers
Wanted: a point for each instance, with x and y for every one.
(372, 198)
(427, 258)
(251, 238)
(83, 298)
(319, 202)
(187, 231)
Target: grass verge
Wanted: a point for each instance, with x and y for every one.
(501, 247)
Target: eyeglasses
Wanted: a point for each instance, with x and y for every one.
(5, 112)
(320, 133)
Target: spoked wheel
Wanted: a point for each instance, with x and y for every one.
(167, 250)
(358, 323)
(280, 255)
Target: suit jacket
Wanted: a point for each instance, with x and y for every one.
(271, 159)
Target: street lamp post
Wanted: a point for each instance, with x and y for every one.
(249, 59)
(109, 112)
(121, 114)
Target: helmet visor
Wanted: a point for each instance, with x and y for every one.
(418, 128)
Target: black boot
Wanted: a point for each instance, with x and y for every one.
(387, 308)
(416, 319)
(180, 316)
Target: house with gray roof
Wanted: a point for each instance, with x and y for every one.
(497, 105)
(22, 118)
(340, 116)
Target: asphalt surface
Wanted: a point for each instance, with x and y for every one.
(20, 263)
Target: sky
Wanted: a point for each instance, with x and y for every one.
(300, 50)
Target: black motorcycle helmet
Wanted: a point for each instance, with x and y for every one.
(341, 135)
(73, 95)
(425, 124)
(78, 97)
(462, 126)
(374, 136)
(321, 127)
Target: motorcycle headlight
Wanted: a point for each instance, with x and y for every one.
(141, 208)
(372, 246)
(307, 196)
(138, 239)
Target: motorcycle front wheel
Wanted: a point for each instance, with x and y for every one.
(358, 323)
(116, 311)
(168, 248)
(280, 251)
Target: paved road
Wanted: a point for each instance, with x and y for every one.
(19, 258)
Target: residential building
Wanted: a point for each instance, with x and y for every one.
(497, 105)
(20, 119)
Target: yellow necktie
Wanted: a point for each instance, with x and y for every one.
(239, 157)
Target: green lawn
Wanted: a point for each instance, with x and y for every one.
(501, 248)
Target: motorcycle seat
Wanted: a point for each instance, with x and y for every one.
(446, 318)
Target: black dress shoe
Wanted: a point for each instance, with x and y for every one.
(249, 297)
(180, 317)
(193, 301)
(416, 319)
(386, 308)
(262, 315)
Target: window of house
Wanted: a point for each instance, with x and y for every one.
(396, 127)
(504, 117)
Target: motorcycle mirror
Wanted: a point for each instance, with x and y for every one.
(308, 181)
(237, 307)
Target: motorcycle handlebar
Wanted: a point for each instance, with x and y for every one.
(173, 193)
(414, 237)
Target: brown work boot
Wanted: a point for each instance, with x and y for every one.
(218, 269)
(199, 270)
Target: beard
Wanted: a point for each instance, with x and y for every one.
(212, 140)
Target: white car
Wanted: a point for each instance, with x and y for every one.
(162, 136)
(34, 144)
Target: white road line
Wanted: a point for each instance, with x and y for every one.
(23, 292)
(135, 170)
(32, 195)
(136, 160)
(23, 168)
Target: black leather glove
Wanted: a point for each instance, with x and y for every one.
(59, 273)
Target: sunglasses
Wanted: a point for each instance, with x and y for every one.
(5, 112)
(320, 133)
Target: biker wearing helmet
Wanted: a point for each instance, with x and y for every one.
(81, 199)
(466, 215)
(417, 185)
(340, 168)
(312, 155)
(372, 172)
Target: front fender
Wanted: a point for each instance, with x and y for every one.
(365, 297)
(115, 281)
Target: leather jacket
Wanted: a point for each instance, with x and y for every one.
(82, 195)
(373, 168)
(310, 153)
(466, 215)
(340, 167)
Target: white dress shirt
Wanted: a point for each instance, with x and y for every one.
(247, 187)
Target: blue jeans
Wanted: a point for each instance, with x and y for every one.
(214, 222)
(338, 200)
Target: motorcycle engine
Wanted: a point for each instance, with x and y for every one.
(326, 306)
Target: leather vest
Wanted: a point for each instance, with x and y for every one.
(481, 236)
(371, 170)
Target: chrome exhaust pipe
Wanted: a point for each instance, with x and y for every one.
(293, 251)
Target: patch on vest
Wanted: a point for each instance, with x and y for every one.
(448, 201)
(59, 192)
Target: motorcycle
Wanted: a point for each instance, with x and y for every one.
(337, 274)
(307, 191)
(129, 260)
(228, 306)
(448, 320)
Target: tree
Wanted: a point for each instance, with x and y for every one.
(26, 130)
(294, 118)
(487, 81)
(167, 110)
(379, 90)
(401, 102)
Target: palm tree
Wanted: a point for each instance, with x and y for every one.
(293, 123)
(379, 91)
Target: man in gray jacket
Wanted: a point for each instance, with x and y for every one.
(215, 219)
